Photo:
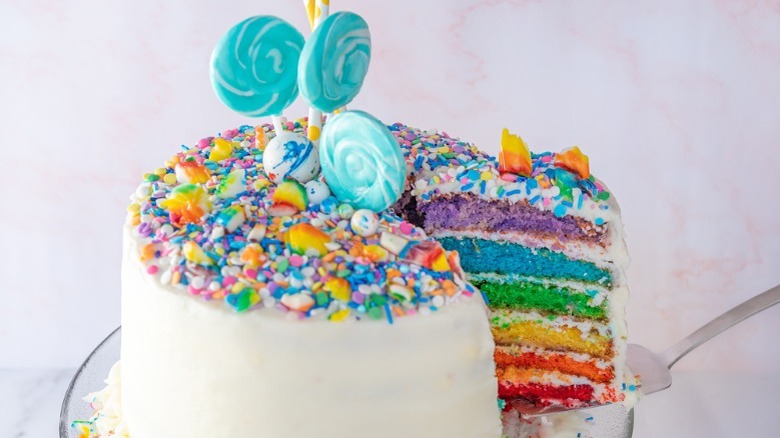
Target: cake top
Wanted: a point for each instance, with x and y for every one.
(214, 222)
(557, 182)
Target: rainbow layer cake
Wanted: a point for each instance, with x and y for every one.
(542, 238)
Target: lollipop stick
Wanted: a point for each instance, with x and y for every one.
(309, 5)
(277, 121)
(315, 116)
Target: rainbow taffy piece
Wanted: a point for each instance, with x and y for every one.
(187, 204)
(222, 149)
(289, 198)
(194, 253)
(306, 239)
(191, 171)
(361, 161)
(429, 254)
(338, 288)
(334, 61)
(254, 66)
(572, 159)
(514, 156)
(231, 218)
(233, 184)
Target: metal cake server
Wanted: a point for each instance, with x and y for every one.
(654, 369)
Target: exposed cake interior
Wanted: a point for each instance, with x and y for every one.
(546, 249)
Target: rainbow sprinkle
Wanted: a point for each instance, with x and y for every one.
(239, 238)
(441, 165)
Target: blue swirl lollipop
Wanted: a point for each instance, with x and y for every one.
(255, 64)
(334, 61)
(361, 161)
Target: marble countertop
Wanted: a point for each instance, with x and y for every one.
(699, 404)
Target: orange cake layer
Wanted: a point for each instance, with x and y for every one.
(552, 362)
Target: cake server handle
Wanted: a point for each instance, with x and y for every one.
(720, 324)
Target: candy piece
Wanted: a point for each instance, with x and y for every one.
(339, 316)
(194, 253)
(305, 239)
(514, 156)
(222, 149)
(257, 233)
(290, 155)
(361, 161)
(299, 302)
(190, 171)
(334, 61)
(345, 211)
(574, 160)
(253, 255)
(278, 210)
(393, 242)
(375, 253)
(231, 185)
(243, 300)
(231, 217)
(399, 292)
(261, 140)
(317, 191)
(339, 288)
(426, 253)
(364, 222)
(187, 204)
(453, 259)
(289, 196)
(254, 66)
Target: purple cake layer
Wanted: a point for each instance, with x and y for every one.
(465, 211)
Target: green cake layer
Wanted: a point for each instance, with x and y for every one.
(547, 298)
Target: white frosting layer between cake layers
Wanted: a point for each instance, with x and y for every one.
(198, 369)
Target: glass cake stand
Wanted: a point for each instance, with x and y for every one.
(611, 421)
(88, 378)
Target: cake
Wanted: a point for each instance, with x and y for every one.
(268, 330)
(238, 323)
(542, 238)
(322, 277)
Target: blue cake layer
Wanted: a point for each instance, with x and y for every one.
(480, 255)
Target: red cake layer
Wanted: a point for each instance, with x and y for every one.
(546, 394)
(552, 362)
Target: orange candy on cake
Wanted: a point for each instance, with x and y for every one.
(573, 160)
(187, 204)
(514, 156)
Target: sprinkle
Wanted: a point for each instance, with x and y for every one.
(220, 230)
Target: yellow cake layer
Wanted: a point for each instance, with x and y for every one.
(565, 338)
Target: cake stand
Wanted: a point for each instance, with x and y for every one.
(88, 378)
(612, 421)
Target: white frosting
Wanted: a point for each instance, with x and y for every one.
(198, 369)
(444, 180)
(108, 419)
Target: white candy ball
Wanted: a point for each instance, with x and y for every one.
(364, 222)
(291, 155)
(318, 191)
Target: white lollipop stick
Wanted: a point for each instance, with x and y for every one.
(277, 121)
(315, 115)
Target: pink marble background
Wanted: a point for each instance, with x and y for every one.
(677, 104)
